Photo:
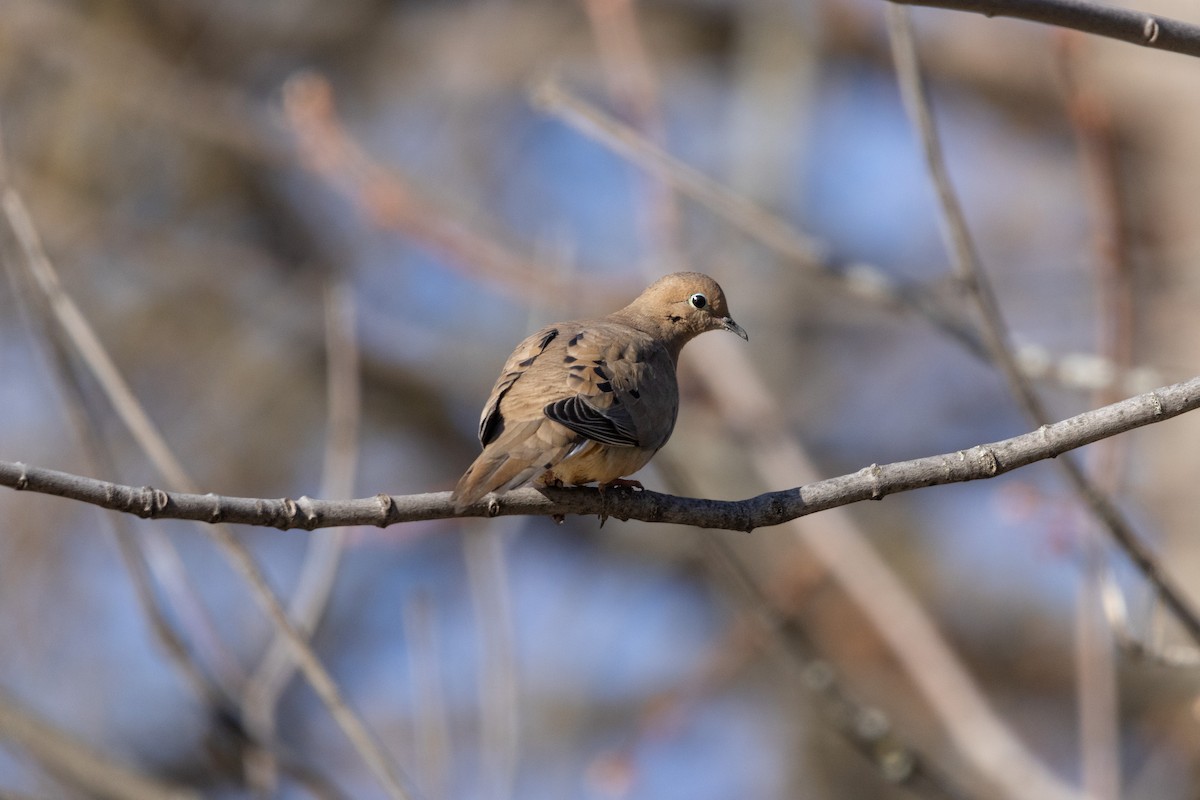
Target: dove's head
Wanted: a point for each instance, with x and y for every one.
(681, 306)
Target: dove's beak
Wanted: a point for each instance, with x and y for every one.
(728, 324)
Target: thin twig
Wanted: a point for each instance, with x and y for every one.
(431, 728)
(160, 553)
(1095, 655)
(633, 87)
(139, 564)
(94, 355)
(865, 728)
(390, 201)
(866, 282)
(93, 772)
(499, 687)
(1136, 27)
(318, 573)
(809, 253)
(773, 508)
(550, 96)
(994, 330)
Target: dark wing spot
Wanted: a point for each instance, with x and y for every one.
(574, 339)
(635, 394)
(492, 427)
(590, 422)
(600, 362)
(492, 423)
(604, 387)
(569, 359)
(600, 373)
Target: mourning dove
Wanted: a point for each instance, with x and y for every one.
(592, 400)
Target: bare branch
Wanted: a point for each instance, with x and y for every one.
(1136, 27)
(773, 508)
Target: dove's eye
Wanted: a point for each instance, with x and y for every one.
(698, 300)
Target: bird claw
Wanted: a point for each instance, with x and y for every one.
(621, 483)
(616, 483)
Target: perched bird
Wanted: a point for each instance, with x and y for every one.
(592, 400)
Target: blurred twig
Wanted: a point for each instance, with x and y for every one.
(1099, 716)
(78, 764)
(385, 196)
(633, 87)
(80, 334)
(1137, 27)
(773, 508)
(550, 96)
(866, 729)
(121, 70)
(994, 331)
(861, 280)
(613, 772)
(431, 730)
(161, 554)
(323, 557)
(143, 558)
(499, 700)
(865, 281)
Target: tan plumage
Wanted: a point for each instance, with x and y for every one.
(592, 400)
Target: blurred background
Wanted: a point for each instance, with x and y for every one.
(308, 234)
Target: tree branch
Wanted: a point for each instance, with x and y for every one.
(773, 508)
(1136, 27)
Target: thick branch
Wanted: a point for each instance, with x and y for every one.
(1136, 27)
(871, 483)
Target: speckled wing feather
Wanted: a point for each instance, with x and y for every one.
(622, 384)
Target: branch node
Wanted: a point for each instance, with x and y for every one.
(1150, 30)
(288, 513)
(876, 474)
(217, 514)
(493, 506)
(991, 464)
(387, 508)
(148, 501)
(22, 481)
(311, 519)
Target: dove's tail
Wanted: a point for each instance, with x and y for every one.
(513, 459)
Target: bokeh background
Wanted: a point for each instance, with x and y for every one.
(245, 199)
